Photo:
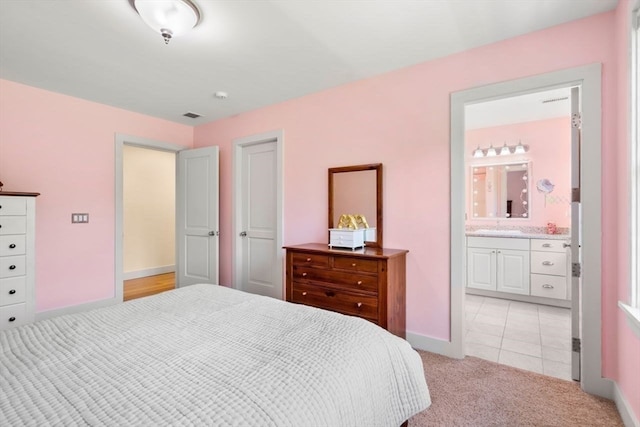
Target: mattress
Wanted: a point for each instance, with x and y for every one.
(208, 355)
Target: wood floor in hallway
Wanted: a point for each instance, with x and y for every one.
(145, 286)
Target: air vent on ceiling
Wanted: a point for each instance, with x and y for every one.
(554, 99)
(191, 115)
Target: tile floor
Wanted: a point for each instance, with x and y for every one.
(527, 336)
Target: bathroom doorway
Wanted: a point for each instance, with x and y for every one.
(589, 341)
(518, 231)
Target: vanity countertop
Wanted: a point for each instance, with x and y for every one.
(515, 235)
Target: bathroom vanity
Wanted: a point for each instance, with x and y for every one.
(526, 267)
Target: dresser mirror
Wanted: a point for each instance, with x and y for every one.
(500, 191)
(357, 190)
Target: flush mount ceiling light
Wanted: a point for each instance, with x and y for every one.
(168, 17)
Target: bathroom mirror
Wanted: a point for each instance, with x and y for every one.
(500, 191)
(357, 190)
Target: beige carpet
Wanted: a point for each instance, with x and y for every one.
(475, 392)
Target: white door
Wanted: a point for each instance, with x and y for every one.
(197, 204)
(258, 228)
(576, 234)
(513, 271)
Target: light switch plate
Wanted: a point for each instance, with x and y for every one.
(79, 218)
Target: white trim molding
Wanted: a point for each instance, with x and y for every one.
(633, 317)
(77, 308)
(626, 412)
(588, 77)
(154, 271)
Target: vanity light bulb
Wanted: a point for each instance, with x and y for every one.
(475, 179)
(475, 203)
(524, 215)
(524, 190)
(524, 178)
(475, 214)
(524, 202)
(475, 191)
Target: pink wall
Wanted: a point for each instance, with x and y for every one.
(402, 120)
(549, 144)
(628, 345)
(63, 148)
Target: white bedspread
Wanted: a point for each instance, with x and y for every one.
(208, 355)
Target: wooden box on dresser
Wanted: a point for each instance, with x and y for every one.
(369, 282)
(17, 258)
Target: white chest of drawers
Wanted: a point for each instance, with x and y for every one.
(17, 258)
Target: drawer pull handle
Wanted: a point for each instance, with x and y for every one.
(308, 259)
(547, 286)
(304, 294)
(547, 263)
(353, 265)
(546, 245)
(12, 246)
(12, 319)
(359, 282)
(304, 274)
(12, 267)
(359, 304)
(12, 291)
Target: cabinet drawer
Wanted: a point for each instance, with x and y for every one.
(547, 245)
(12, 290)
(342, 302)
(544, 285)
(554, 263)
(13, 225)
(310, 260)
(13, 206)
(12, 244)
(519, 244)
(350, 281)
(11, 266)
(13, 315)
(355, 264)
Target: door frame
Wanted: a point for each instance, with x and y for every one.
(239, 144)
(120, 141)
(589, 78)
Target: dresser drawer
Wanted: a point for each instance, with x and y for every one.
(13, 225)
(310, 260)
(12, 290)
(544, 285)
(13, 206)
(13, 315)
(547, 245)
(349, 281)
(549, 263)
(13, 244)
(11, 266)
(355, 264)
(340, 301)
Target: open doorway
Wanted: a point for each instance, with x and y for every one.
(149, 202)
(518, 231)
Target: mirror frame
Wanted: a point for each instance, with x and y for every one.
(471, 196)
(373, 166)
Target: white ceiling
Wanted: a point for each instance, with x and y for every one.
(259, 51)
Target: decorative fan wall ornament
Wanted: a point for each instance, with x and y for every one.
(545, 186)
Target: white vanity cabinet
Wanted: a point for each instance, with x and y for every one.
(549, 269)
(498, 264)
(17, 259)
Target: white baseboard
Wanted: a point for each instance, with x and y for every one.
(148, 272)
(626, 412)
(433, 345)
(76, 308)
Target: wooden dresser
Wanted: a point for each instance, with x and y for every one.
(369, 282)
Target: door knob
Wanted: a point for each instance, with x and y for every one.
(243, 234)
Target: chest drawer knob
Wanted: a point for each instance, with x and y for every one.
(308, 259)
(353, 265)
(12, 291)
(359, 304)
(12, 246)
(304, 274)
(12, 267)
(304, 294)
(547, 263)
(359, 282)
(12, 319)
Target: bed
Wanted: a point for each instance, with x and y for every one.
(208, 355)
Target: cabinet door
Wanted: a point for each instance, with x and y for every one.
(481, 268)
(513, 271)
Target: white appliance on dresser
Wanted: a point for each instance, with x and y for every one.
(17, 258)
